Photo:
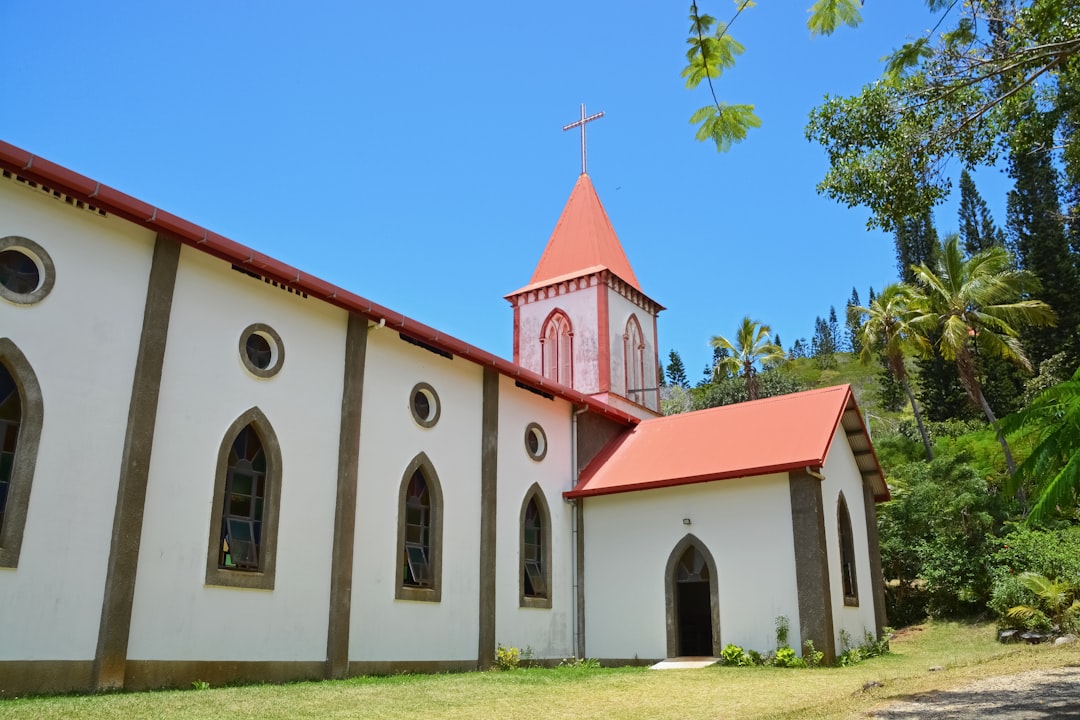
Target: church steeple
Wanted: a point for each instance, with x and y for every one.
(583, 240)
(583, 320)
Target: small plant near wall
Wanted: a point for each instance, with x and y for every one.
(810, 655)
(507, 658)
(575, 663)
(200, 685)
(871, 647)
(735, 656)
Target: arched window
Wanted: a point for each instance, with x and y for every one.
(10, 420)
(847, 553)
(556, 349)
(243, 534)
(20, 432)
(634, 356)
(419, 554)
(535, 550)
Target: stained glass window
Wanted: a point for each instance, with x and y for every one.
(245, 500)
(416, 560)
(10, 419)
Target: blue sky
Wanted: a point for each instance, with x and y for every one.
(413, 153)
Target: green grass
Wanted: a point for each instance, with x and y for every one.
(965, 652)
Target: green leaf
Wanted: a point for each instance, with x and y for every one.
(724, 124)
(906, 57)
(827, 15)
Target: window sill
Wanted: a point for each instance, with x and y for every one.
(851, 601)
(542, 603)
(418, 594)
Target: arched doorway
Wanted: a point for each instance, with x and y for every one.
(692, 601)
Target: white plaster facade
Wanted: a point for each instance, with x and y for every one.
(83, 341)
(744, 523)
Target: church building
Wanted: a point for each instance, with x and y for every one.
(215, 466)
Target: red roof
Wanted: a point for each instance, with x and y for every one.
(778, 434)
(59, 179)
(583, 239)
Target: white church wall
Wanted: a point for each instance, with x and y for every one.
(548, 631)
(205, 387)
(745, 524)
(383, 628)
(619, 311)
(842, 475)
(581, 308)
(81, 341)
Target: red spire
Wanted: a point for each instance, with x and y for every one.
(583, 240)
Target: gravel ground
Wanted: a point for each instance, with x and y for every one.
(1032, 695)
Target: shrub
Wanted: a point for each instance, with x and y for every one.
(507, 658)
(786, 657)
(580, 663)
(734, 655)
(811, 656)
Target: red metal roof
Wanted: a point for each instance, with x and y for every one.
(778, 434)
(583, 239)
(59, 179)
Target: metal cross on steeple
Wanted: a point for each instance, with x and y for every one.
(581, 123)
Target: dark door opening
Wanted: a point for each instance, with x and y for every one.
(695, 618)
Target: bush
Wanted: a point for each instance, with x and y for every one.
(507, 658)
(1050, 553)
(734, 655)
(786, 657)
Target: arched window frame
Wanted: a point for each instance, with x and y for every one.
(535, 496)
(670, 571)
(557, 348)
(849, 582)
(26, 451)
(404, 591)
(634, 361)
(263, 578)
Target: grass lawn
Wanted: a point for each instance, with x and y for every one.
(965, 652)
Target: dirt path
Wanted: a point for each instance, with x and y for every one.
(1033, 695)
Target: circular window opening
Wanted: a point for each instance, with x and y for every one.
(535, 442)
(26, 271)
(18, 272)
(424, 403)
(261, 350)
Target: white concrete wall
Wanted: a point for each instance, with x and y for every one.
(382, 627)
(842, 474)
(82, 342)
(745, 523)
(619, 311)
(581, 306)
(548, 631)
(205, 387)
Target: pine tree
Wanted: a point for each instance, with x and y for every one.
(798, 349)
(977, 229)
(823, 345)
(676, 372)
(1037, 232)
(854, 323)
(916, 243)
(834, 331)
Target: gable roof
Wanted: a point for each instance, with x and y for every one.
(582, 242)
(71, 187)
(777, 434)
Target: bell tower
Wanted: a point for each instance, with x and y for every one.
(583, 320)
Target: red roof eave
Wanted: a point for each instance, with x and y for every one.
(675, 482)
(57, 177)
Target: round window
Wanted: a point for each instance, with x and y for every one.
(26, 271)
(535, 442)
(424, 403)
(261, 350)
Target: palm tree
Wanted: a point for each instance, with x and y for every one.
(979, 298)
(1055, 461)
(752, 345)
(888, 328)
